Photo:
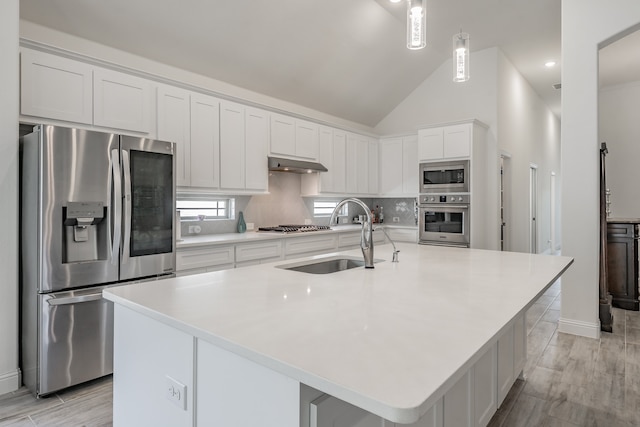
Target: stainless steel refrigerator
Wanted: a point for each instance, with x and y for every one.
(97, 211)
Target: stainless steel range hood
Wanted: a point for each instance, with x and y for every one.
(295, 166)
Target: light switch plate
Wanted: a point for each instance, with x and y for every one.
(176, 392)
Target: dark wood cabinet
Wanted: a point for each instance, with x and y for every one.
(622, 264)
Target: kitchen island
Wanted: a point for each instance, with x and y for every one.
(402, 341)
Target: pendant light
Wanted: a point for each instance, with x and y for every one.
(416, 24)
(461, 57)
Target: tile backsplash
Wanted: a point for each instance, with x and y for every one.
(284, 205)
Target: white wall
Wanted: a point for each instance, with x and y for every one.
(585, 25)
(619, 127)
(530, 133)
(439, 100)
(9, 376)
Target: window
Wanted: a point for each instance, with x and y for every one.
(326, 207)
(195, 208)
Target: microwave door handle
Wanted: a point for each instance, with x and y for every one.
(126, 168)
(117, 204)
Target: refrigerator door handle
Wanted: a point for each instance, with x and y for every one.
(117, 205)
(126, 168)
(75, 300)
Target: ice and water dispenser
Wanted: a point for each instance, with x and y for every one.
(85, 231)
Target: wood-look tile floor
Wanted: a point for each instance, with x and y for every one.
(569, 381)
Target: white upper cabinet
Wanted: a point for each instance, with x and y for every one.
(205, 141)
(391, 166)
(430, 144)
(122, 101)
(410, 165)
(399, 166)
(232, 145)
(306, 140)
(293, 138)
(445, 142)
(256, 149)
(55, 87)
(339, 165)
(332, 155)
(283, 135)
(244, 134)
(374, 166)
(174, 126)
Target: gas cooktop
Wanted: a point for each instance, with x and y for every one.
(295, 228)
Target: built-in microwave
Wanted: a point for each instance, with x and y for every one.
(447, 177)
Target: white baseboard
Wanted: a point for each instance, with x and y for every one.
(578, 327)
(9, 381)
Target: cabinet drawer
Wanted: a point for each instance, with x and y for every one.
(349, 239)
(207, 257)
(259, 251)
(299, 245)
(403, 235)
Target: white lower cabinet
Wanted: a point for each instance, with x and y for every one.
(403, 234)
(256, 253)
(150, 358)
(309, 245)
(209, 258)
(234, 391)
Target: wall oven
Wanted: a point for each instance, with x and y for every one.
(444, 177)
(443, 219)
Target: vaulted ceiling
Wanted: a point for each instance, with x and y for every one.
(347, 58)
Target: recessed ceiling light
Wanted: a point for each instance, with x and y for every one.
(395, 1)
(550, 64)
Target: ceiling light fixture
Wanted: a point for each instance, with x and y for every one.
(395, 1)
(461, 57)
(416, 24)
(550, 64)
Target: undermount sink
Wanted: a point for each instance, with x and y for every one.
(326, 265)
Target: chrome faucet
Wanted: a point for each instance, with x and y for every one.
(394, 257)
(366, 238)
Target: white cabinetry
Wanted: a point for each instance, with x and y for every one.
(309, 245)
(200, 260)
(55, 87)
(232, 146)
(123, 101)
(259, 252)
(145, 366)
(512, 348)
(243, 147)
(173, 125)
(192, 121)
(293, 138)
(399, 166)
(445, 142)
(362, 165)
(256, 148)
(403, 234)
(205, 141)
(234, 391)
(332, 154)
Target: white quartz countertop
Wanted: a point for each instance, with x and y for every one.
(192, 241)
(390, 340)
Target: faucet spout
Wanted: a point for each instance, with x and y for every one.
(366, 237)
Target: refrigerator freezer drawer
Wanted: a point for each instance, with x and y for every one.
(76, 338)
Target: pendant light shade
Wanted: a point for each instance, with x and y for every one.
(416, 24)
(461, 57)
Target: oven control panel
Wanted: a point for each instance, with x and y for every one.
(444, 198)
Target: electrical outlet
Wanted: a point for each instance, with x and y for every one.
(176, 392)
(194, 229)
(396, 219)
(250, 226)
